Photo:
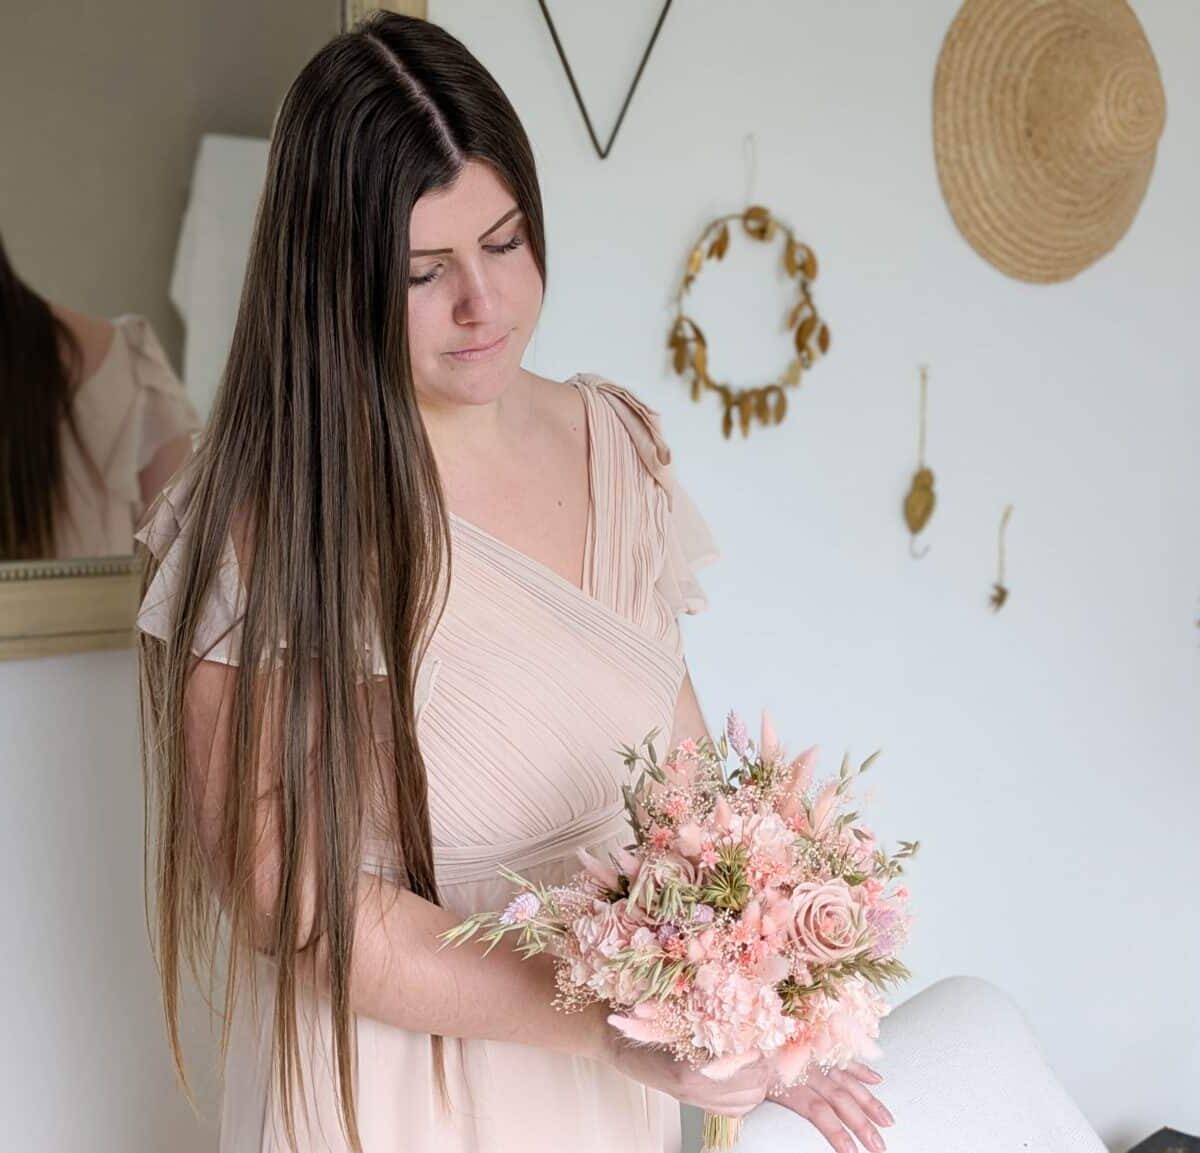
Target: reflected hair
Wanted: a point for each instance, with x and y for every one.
(40, 364)
(315, 463)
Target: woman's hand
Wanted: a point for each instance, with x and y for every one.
(657, 1067)
(838, 1104)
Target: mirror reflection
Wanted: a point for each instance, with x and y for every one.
(95, 421)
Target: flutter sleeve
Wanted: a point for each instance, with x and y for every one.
(689, 546)
(685, 541)
(219, 631)
(164, 411)
(218, 635)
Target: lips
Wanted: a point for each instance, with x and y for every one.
(479, 347)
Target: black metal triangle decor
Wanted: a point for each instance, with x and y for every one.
(603, 152)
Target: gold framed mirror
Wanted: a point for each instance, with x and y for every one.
(52, 607)
(114, 289)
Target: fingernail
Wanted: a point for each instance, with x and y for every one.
(876, 1142)
(887, 1118)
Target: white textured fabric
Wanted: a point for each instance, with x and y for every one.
(962, 1072)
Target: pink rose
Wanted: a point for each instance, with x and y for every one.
(826, 921)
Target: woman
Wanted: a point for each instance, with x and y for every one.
(94, 423)
(461, 584)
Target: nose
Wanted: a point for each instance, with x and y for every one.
(476, 295)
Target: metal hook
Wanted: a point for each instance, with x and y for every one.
(750, 152)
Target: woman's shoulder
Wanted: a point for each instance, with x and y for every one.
(93, 337)
(637, 420)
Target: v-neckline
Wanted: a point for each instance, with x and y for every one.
(587, 587)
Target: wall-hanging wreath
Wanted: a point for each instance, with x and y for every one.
(766, 403)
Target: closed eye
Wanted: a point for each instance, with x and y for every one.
(497, 249)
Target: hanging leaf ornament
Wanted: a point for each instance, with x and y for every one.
(921, 499)
(765, 404)
(920, 502)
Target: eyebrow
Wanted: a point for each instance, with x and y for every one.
(482, 236)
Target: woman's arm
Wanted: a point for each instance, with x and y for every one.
(398, 975)
(163, 465)
(689, 720)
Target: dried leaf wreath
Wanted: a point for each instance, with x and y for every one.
(768, 403)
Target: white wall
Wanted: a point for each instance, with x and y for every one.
(1045, 756)
(84, 1065)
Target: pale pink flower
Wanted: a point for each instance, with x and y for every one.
(604, 931)
(889, 928)
(827, 921)
(643, 938)
(724, 820)
(629, 863)
(768, 745)
(676, 808)
(731, 1013)
(852, 1025)
(675, 948)
(768, 836)
(604, 875)
(661, 837)
(680, 770)
(797, 784)
(824, 808)
(772, 968)
(689, 839)
(643, 1023)
(704, 947)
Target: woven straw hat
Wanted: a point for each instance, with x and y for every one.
(1046, 118)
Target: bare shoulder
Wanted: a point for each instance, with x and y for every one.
(93, 334)
(561, 402)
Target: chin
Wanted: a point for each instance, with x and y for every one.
(472, 383)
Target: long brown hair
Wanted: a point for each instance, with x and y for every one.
(315, 442)
(39, 371)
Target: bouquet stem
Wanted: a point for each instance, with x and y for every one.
(720, 1133)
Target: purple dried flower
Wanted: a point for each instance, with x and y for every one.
(735, 730)
(520, 908)
(666, 933)
(703, 914)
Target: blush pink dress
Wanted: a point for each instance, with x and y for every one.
(530, 686)
(125, 411)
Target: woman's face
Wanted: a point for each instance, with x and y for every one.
(472, 283)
